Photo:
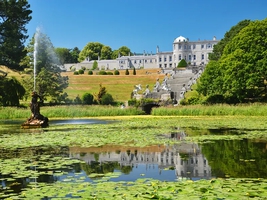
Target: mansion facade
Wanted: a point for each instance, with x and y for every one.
(194, 52)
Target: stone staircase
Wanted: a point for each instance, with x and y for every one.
(178, 83)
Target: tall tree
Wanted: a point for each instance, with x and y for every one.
(14, 15)
(67, 55)
(49, 82)
(74, 54)
(91, 50)
(240, 75)
(219, 47)
(11, 91)
(63, 55)
(106, 53)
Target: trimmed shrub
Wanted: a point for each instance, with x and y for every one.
(88, 99)
(182, 63)
(81, 71)
(95, 65)
(102, 72)
(109, 73)
(76, 73)
(127, 72)
(134, 72)
(116, 72)
(90, 72)
(107, 99)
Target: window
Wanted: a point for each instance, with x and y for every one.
(194, 46)
(151, 61)
(180, 46)
(202, 46)
(209, 46)
(159, 59)
(185, 57)
(202, 56)
(194, 57)
(165, 59)
(140, 61)
(189, 57)
(170, 58)
(189, 46)
(180, 57)
(184, 46)
(134, 61)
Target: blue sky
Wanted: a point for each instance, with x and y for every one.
(141, 25)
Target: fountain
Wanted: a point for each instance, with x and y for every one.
(36, 120)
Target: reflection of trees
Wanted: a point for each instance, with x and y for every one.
(126, 169)
(105, 167)
(100, 168)
(237, 158)
(184, 156)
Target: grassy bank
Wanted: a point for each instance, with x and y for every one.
(213, 110)
(68, 112)
(79, 111)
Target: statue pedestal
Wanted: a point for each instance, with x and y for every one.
(165, 97)
(138, 96)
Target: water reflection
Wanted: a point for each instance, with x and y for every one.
(220, 158)
(14, 126)
(185, 159)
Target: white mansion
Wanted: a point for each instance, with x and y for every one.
(194, 52)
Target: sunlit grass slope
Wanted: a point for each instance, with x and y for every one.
(119, 86)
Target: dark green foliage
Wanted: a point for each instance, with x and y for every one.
(11, 91)
(88, 99)
(134, 71)
(116, 72)
(76, 73)
(107, 99)
(218, 48)
(216, 98)
(182, 63)
(81, 71)
(77, 100)
(127, 72)
(132, 102)
(102, 72)
(240, 74)
(109, 73)
(14, 16)
(90, 72)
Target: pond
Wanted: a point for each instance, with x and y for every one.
(20, 168)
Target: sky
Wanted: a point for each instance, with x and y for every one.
(141, 25)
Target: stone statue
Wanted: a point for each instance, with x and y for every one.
(157, 85)
(36, 119)
(147, 91)
(136, 89)
(35, 105)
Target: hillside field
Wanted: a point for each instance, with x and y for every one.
(119, 86)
